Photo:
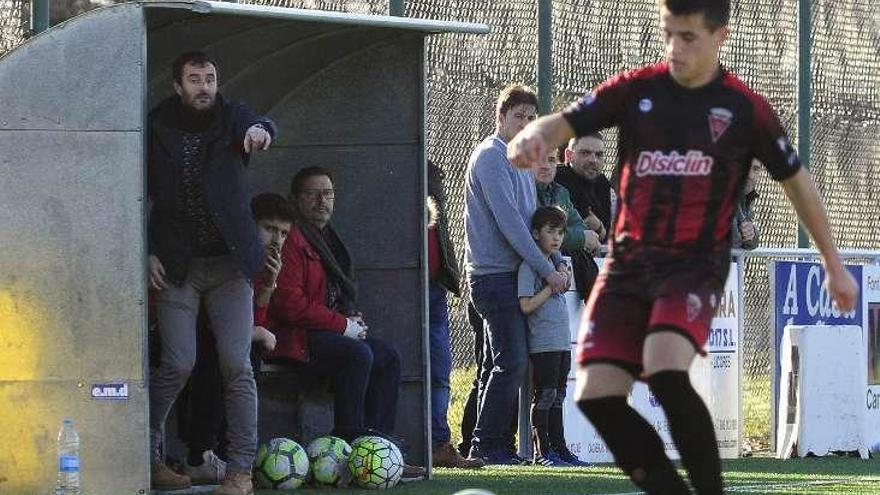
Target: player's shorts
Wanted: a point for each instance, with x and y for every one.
(630, 301)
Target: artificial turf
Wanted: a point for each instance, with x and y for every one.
(756, 475)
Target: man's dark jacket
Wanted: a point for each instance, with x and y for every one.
(587, 195)
(225, 189)
(449, 277)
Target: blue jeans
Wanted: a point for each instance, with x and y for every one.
(505, 357)
(441, 363)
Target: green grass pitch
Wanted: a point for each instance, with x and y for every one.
(757, 475)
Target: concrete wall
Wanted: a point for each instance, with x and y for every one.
(72, 285)
(72, 210)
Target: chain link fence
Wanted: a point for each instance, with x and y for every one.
(14, 24)
(593, 39)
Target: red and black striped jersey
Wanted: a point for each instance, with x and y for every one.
(684, 155)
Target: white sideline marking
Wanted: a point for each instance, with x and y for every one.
(792, 484)
(743, 488)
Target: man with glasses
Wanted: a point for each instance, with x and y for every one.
(314, 315)
(590, 190)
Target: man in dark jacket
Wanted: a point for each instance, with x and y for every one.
(204, 249)
(744, 234)
(590, 190)
(581, 243)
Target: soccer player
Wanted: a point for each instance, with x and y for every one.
(688, 132)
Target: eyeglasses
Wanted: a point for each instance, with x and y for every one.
(318, 193)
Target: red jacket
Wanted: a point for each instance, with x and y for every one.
(298, 304)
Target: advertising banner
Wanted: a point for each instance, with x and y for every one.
(715, 377)
(800, 298)
(871, 305)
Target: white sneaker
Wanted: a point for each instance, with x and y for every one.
(211, 472)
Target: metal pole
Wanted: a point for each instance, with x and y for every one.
(545, 106)
(804, 97)
(525, 420)
(426, 305)
(395, 7)
(740, 350)
(545, 57)
(39, 16)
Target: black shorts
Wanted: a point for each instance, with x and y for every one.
(632, 300)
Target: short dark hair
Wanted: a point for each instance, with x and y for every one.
(553, 216)
(192, 58)
(574, 140)
(513, 95)
(306, 173)
(271, 206)
(716, 13)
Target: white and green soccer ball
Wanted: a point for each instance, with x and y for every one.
(282, 464)
(375, 463)
(328, 457)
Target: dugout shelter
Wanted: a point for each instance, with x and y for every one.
(347, 92)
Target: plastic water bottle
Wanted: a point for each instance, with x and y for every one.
(68, 460)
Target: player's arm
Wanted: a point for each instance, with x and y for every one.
(774, 150)
(806, 201)
(528, 304)
(532, 143)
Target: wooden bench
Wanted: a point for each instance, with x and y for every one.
(290, 408)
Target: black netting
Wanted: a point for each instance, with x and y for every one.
(349, 6)
(593, 39)
(14, 24)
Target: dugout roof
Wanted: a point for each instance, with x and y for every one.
(348, 93)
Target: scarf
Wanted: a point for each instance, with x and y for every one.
(337, 265)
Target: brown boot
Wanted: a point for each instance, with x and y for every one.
(163, 478)
(236, 483)
(448, 456)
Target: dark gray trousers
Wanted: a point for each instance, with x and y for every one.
(228, 299)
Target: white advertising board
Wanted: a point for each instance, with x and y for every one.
(715, 377)
(871, 306)
(800, 298)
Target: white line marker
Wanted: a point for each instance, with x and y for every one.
(844, 481)
(745, 488)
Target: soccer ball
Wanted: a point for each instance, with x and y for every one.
(281, 464)
(375, 463)
(328, 457)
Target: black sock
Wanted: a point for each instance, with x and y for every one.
(635, 445)
(557, 430)
(194, 457)
(692, 430)
(540, 431)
